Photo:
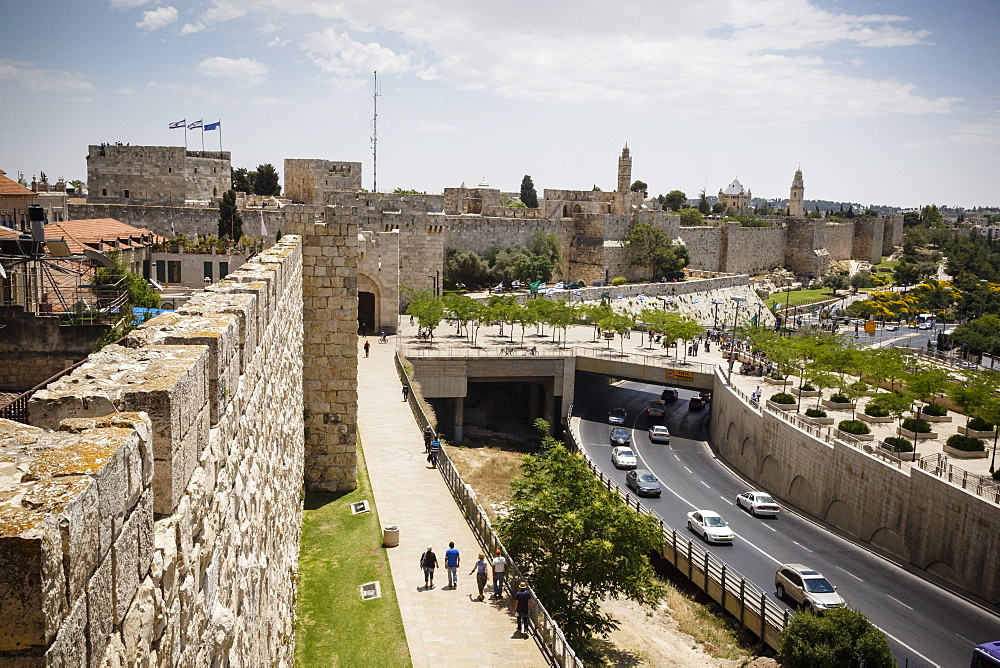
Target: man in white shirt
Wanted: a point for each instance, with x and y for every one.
(499, 572)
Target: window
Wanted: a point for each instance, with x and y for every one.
(223, 269)
(173, 271)
(161, 271)
(208, 270)
(145, 269)
(104, 192)
(126, 194)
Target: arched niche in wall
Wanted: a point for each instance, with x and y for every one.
(802, 494)
(369, 305)
(840, 515)
(891, 542)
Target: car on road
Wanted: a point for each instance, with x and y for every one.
(656, 408)
(643, 482)
(696, 404)
(669, 394)
(805, 587)
(924, 325)
(617, 416)
(758, 503)
(623, 457)
(621, 436)
(710, 526)
(658, 433)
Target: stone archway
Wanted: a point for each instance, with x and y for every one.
(367, 307)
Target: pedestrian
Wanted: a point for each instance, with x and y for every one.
(406, 392)
(432, 455)
(452, 560)
(428, 437)
(499, 571)
(479, 568)
(428, 562)
(522, 607)
(367, 348)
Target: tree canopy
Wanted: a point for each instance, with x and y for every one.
(639, 187)
(651, 247)
(840, 638)
(674, 200)
(528, 195)
(691, 217)
(578, 544)
(243, 180)
(230, 219)
(266, 180)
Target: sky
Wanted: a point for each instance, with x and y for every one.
(894, 102)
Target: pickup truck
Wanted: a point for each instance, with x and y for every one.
(656, 408)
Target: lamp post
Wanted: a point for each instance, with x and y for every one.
(788, 295)
(434, 278)
(993, 461)
(802, 372)
(732, 343)
(715, 323)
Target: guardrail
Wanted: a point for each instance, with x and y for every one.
(552, 640)
(937, 464)
(735, 593)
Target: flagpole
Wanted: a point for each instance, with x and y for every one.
(185, 136)
(220, 136)
(203, 139)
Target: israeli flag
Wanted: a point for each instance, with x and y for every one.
(641, 298)
(621, 296)
(178, 124)
(541, 286)
(194, 125)
(499, 287)
(695, 301)
(559, 285)
(213, 126)
(576, 293)
(549, 292)
(670, 300)
(515, 284)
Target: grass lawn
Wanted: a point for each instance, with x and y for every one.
(800, 297)
(339, 553)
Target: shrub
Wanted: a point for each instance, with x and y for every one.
(856, 427)
(979, 424)
(917, 426)
(966, 443)
(899, 444)
(815, 412)
(618, 280)
(840, 637)
(777, 376)
(934, 410)
(996, 474)
(859, 386)
(840, 399)
(808, 388)
(875, 410)
(783, 398)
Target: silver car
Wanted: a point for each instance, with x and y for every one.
(643, 482)
(617, 416)
(805, 587)
(623, 458)
(710, 526)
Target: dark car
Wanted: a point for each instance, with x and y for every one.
(621, 436)
(696, 404)
(617, 416)
(705, 395)
(669, 394)
(643, 482)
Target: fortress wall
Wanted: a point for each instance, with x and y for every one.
(893, 233)
(867, 242)
(703, 244)
(309, 181)
(187, 220)
(897, 510)
(160, 524)
(154, 174)
(753, 250)
(838, 240)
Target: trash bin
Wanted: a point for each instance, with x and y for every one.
(390, 535)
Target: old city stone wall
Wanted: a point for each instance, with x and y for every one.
(189, 221)
(310, 181)
(704, 247)
(897, 510)
(156, 174)
(867, 241)
(33, 348)
(753, 250)
(160, 524)
(838, 240)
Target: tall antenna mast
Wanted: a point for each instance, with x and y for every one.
(375, 96)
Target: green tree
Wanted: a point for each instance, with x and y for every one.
(982, 335)
(691, 217)
(639, 187)
(840, 638)
(547, 245)
(528, 194)
(862, 279)
(836, 282)
(651, 247)
(703, 205)
(577, 544)
(465, 310)
(425, 306)
(465, 268)
(266, 181)
(563, 314)
(974, 392)
(674, 200)
(242, 180)
(930, 215)
(230, 219)
(926, 382)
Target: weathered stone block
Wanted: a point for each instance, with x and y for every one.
(125, 567)
(100, 607)
(70, 645)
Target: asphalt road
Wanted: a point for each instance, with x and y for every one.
(926, 625)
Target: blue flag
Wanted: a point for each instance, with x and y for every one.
(194, 125)
(212, 126)
(178, 124)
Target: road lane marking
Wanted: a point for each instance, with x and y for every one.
(802, 546)
(846, 572)
(688, 470)
(903, 644)
(724, 498)
(705, 484)
(770, 527)
(898, 601)
(677, 458)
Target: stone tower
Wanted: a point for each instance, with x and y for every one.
(624, 171)
(796, 204)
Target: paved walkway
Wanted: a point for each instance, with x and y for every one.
(444, 627)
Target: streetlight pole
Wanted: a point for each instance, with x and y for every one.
(788, 296)
(732, 344)
(802, 373)
(715, 323)
(993, 461)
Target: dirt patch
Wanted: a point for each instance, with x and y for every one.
(646, 637)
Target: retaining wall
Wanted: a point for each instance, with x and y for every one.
(166, 533)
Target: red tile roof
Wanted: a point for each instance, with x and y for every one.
(9, 187)
(7, 233)
(95, 232)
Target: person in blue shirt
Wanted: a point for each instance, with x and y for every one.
(451, 563)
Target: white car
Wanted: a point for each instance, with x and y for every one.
(806, 587)
(623, 458)
(758, 503)
(710, 526)
(659, 434)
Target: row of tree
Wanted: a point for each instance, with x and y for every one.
(536, 262)
(262, 181)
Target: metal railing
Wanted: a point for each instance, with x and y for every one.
(552, 640)
(17, 408)
(937, 464)
(740, 597)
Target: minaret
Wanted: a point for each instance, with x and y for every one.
(624, 171)
(796, 202)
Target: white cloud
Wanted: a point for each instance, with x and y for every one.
(32, 77)
(337, 54)
(245, 70)
(127, 4)
(985, 133)
(190, 28)
(268, 28)
(433, 128)
(125, 90)
(277, 41)
(157, 18)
